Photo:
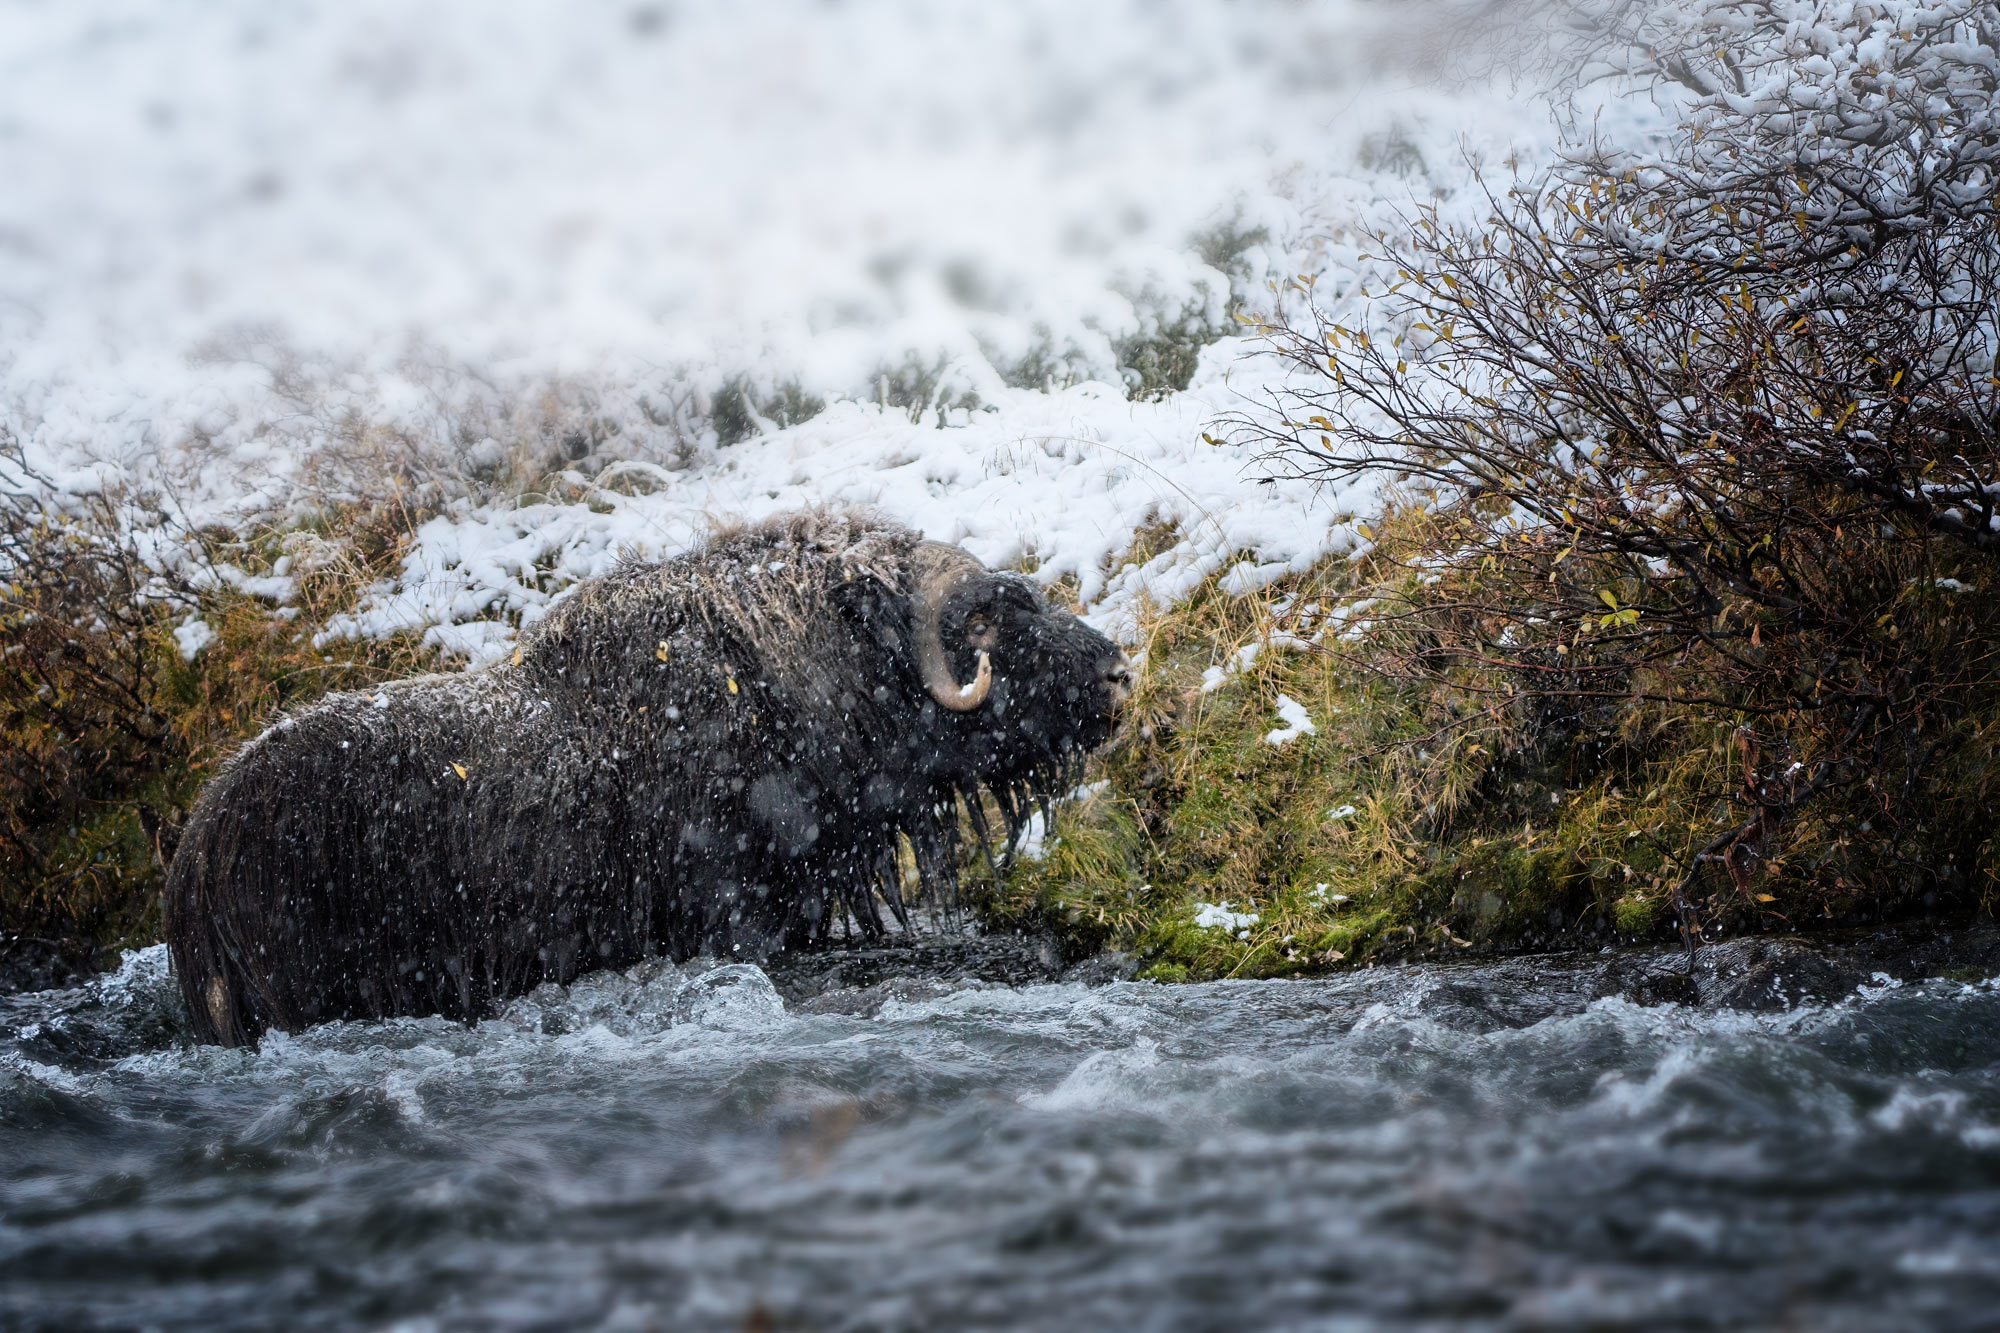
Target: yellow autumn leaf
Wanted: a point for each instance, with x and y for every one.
(732, 683)
(458, 769)
(517, 657)
(661, 651)
(1765, 898)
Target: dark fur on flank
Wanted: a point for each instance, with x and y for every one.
(716, 752)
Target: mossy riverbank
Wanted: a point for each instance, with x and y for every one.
(1281, 805)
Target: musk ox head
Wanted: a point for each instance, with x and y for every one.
(1036, 683)
(726, 751)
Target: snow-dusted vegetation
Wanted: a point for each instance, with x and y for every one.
(959, 262)
(339, 341)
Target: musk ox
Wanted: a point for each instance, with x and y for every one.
(719, 751)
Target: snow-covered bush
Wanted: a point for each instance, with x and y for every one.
(131, 658)
(1701, 435)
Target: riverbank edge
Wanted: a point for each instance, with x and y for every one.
(1750, 972)
(1759, 973)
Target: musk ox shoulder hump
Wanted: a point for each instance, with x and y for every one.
(768, 584)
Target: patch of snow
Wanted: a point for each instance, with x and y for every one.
(1293, 714)
(1218, 916)
(1246, 657)
(1245, 578)
(1034, 843)
(193, 635)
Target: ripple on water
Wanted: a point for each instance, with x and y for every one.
(674, 1145)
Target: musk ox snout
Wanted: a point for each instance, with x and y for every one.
(1000, 635)
(1118, 682)
(733, 751)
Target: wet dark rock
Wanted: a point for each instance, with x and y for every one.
(1647, 980)
(1756, 973)
(954, 960)
(1490, 1004)
(30, 963)
(1102, 969)
(1968, 952)
(1769, 975)
(867, 1001)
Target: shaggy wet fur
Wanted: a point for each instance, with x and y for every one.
(714, 752)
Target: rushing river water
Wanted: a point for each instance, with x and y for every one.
(1446, 1148)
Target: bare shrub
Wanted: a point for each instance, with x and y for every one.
(1706, 436)
(133, 655)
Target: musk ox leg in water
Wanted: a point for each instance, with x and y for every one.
(716, 752)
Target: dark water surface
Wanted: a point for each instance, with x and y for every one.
(1400, 1148)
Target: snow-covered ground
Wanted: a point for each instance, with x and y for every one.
(238, 240)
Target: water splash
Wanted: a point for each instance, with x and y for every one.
(1467, 1147)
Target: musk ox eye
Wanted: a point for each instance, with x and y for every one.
(982, 632)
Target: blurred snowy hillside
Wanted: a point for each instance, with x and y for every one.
(974, 263)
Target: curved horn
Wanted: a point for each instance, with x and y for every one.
(939, 569)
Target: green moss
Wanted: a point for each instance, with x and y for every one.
(1203, 808)
(1636, 914)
